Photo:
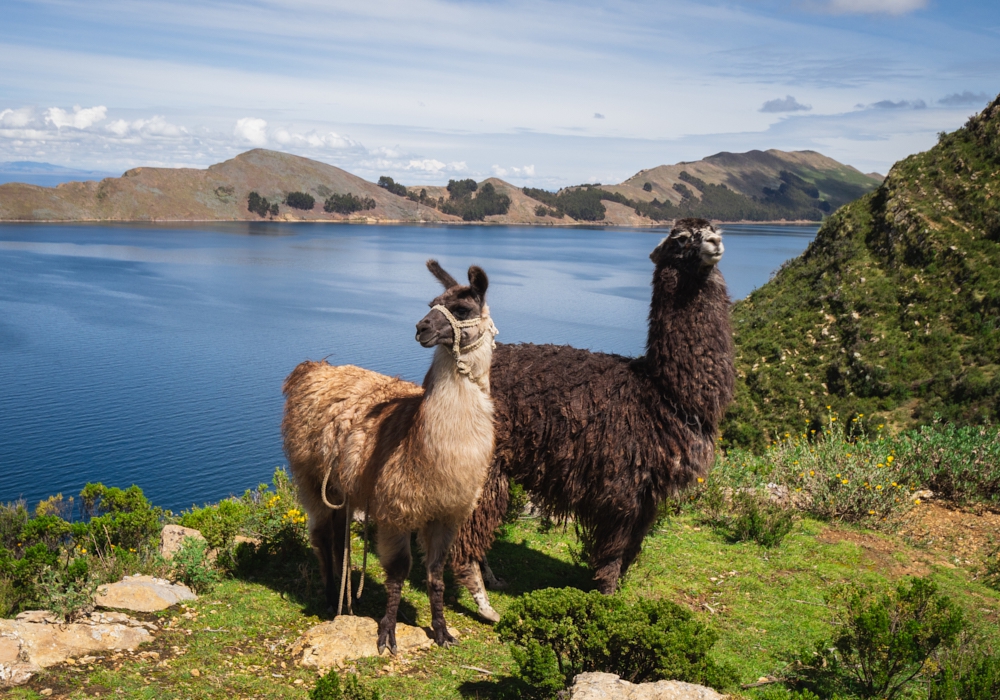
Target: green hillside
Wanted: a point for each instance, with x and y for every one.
(893, 311)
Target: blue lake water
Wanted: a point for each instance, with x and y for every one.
(155, 354)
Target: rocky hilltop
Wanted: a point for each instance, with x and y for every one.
(893, 310)
(750, 186)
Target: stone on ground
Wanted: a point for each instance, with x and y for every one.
(608, 686)
(142, 594)
(32, 642)
(347, 637)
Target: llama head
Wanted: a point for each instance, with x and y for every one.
(464, 302)
(692, 243)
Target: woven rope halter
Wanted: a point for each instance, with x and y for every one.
(457, 349)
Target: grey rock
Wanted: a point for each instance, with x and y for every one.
(608, 686)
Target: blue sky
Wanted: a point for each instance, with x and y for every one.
(539, 92)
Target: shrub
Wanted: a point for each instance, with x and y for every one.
(218, 523)
(646, 187)
(882, 642)
(192, 566)
(68, 593)
(755, 518)
(558, 633)
(973, 676)
(328, 688)
(991, 573)
(347, 204)
(260, 206)
(387, 183)
(300, 200)
(119, 518)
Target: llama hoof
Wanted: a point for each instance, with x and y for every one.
(497, 584)
(442, 638)
(489, 614)
(386, 640)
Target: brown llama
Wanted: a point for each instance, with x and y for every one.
(606, 438)
(414, 458)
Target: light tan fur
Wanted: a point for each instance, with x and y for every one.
(417, 457)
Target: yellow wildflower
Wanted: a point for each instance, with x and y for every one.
(700, 480)
(889, 459)
(844, 481)
(812, 473)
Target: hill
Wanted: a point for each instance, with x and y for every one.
(893, 310)
(754, 186)
(218, 193)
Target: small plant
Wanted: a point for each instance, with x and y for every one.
(193, 567)
(69, 593)
(991, 573)
(300, 200)
(218, 523)
(756, 519)
(329, 688)
(883, 642)
(558, 633)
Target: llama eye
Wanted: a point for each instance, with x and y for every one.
(461, 313)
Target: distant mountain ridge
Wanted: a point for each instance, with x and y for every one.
(757, 186)
(31, 167)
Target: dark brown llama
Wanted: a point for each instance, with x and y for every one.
(606, 438)
(414, 458)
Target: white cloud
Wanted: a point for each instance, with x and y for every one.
(431, 165)
(598, 115)
(313, 139)
(872, 7)
(154, 126)
(252, 130)
(77, 119)
(889, 104)
(17, 118)
(789, 104)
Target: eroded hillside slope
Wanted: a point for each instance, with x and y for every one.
(893, 310)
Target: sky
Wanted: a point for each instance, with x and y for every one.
(543, 93)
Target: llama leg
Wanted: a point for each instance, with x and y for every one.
(610, 541)
(639, 532)
(394, 553)
(323, 537)
(492, 582)
(435, 539)
(486, 610)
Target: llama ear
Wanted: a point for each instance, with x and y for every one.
(478, 281)
(443, 277)
(658, 251)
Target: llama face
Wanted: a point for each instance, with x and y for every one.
(690, 241)
(464, 303)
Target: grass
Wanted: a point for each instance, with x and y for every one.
(767, 605)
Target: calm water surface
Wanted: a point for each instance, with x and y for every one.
(155, 355)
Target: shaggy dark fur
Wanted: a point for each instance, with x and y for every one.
(604, 437)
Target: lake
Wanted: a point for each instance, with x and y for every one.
(155, 354)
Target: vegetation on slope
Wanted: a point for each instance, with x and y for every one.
(894, 309)
(703, 572)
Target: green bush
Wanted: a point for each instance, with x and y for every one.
(347, 204)
(300, 200)
(967, 677)
(68, 593)
(754, 518)
(119, 519)
(883, 641)
(387, 183)
(218, 523)
(260, 206)
(192, 566)
(558, 633)
(328, 688)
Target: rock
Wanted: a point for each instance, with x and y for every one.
(608, 686)
(142, 594)
(43, 616)
(171, 538)
(348, 637)
(26, 646)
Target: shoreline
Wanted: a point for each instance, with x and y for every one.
(377, 222)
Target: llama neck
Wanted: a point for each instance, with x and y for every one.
(689, 349)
